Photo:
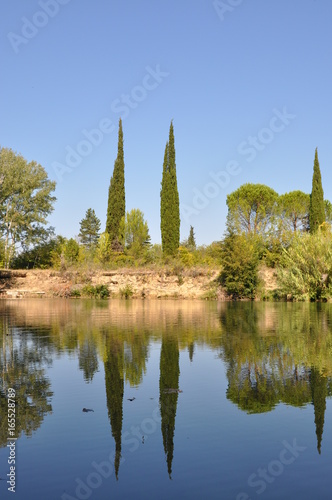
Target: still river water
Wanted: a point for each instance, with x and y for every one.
(190, 400)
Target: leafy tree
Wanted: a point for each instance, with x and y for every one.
(240, 257)
(116, 195)
(104, 249)
(65, 253)
(71, 250)
(40, 256)
(169, 200)
(25, 202)
(317, 207)
(135, 231)
(89, 229)
(251, 208)
(294, 210)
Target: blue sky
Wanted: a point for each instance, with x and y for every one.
(247, 84)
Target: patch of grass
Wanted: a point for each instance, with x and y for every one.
(126, 292)
(96, 292)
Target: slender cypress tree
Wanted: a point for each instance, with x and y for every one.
(116, 208)
(317, 207)
(191, 239)
(169, 200)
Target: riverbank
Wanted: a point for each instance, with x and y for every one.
(191, 283)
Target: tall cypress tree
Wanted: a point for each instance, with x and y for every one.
(317, 207)
(169, 200)
(116, 208)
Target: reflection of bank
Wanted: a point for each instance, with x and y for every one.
(264, 356)
(21, 369)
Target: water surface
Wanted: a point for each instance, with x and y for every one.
(190, 399)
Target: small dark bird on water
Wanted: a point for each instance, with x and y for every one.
(87, 409)
(131, 399)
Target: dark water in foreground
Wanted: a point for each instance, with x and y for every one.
(191, 400)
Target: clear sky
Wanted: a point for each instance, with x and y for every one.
(247, 83)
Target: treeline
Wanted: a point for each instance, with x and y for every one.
(289, 232)
(26, 241)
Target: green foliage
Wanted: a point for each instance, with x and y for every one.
(103, 251)
(96, 292)
(126, 292)
(25, 202)
(317, 207)
(294, 210)
(65, 253)
(70, 251)
(308, 267)
(251, 208)
(169, 200)
(328, 211)
(39, 256)
(116, 208)
(191, 239)
(89, 229)
(240, 257)
(135, 232)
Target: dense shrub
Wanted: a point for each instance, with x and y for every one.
(240, 257)
(96, 292)
(308, 267)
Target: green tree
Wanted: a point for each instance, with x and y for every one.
(328, 211)
(89, 229)
(251, 208)
(240, 257)
(317, 207)
(71, 250)
(40, 256)
(104, 249)
(116, 208)
(25, 202)
(191, 242)
(169, 200)
(135, 231)
(294, 210)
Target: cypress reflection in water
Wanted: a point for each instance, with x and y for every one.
(169, 379)
(114, 393)
(318, 385)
